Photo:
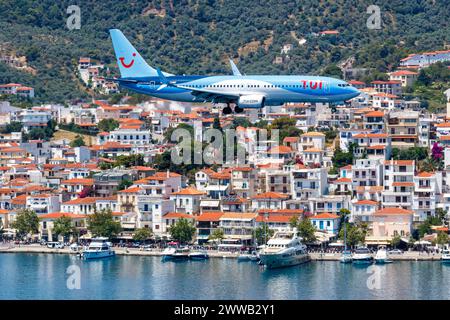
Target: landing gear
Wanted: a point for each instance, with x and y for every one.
(333, 109)
(227, 110)
(238, 109)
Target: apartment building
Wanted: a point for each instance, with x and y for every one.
(398, 183)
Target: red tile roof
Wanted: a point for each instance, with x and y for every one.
(325, 215)
(271, 195)
(209, 216)
(393, 211)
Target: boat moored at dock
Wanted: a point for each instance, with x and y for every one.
(98, 248)
(198, 255)
(362, 255)
(382, 256)
(445, 258)
(284, 249)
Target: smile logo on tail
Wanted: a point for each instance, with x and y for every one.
(129, 65)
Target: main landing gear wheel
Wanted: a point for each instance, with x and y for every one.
(227, 110)
(238, 109)
(333, 109)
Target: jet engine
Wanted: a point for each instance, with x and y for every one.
(255, 101)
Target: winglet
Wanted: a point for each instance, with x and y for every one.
(161, 76)
(235, 69)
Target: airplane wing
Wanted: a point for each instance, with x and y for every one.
(235, 69)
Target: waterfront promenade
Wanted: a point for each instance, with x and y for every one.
(10, 248)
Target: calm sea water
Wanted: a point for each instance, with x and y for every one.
(43, 276)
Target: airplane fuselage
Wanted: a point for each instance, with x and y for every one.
(275, 89)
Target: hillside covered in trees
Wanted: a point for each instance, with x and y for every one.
(198, 36)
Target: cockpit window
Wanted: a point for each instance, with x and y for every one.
(343, 85)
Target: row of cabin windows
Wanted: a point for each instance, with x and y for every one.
(131, 137)
(249, 86)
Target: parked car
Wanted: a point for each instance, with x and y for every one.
(55, 245)
(395, 251)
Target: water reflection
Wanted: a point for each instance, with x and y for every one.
(39, 276)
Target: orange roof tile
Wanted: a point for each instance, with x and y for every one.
(425, 174)
(209, 216)
(403, 184)
(366, 202)
(271, 195)
(393, 211)
(178, 215)
(238, 216)
(79, 181)
(325, 215)
(189, 191)
(56, 215)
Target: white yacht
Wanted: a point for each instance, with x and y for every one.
(98, 248)
(284, 249)
(362, 255)
(382, 256)
(445, 256)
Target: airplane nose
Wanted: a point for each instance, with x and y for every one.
(354, 92)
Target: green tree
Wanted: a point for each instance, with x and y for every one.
(102, 224)
(293, 222)
(332, 70)
(395, 241)
(262, 234)
(182, 231)
(217, 235)
(142, 234)
(77, 142)
(424, 228)
(442, 238)
(26, 223)
(341, 158)
(108, 125)
(62, 226)
(124, 184)
(129, 161)
(356, 234)
(13, 126)
(306, 230)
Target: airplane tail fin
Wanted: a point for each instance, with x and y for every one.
(131, 63)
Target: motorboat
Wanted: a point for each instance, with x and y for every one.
(98, 248)
(284, 249)
(362, 255)
(382, 256)
(168, 252)
(248, 257)
(346, 257)
(445, 256)
(198, 255)
(181, 253)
